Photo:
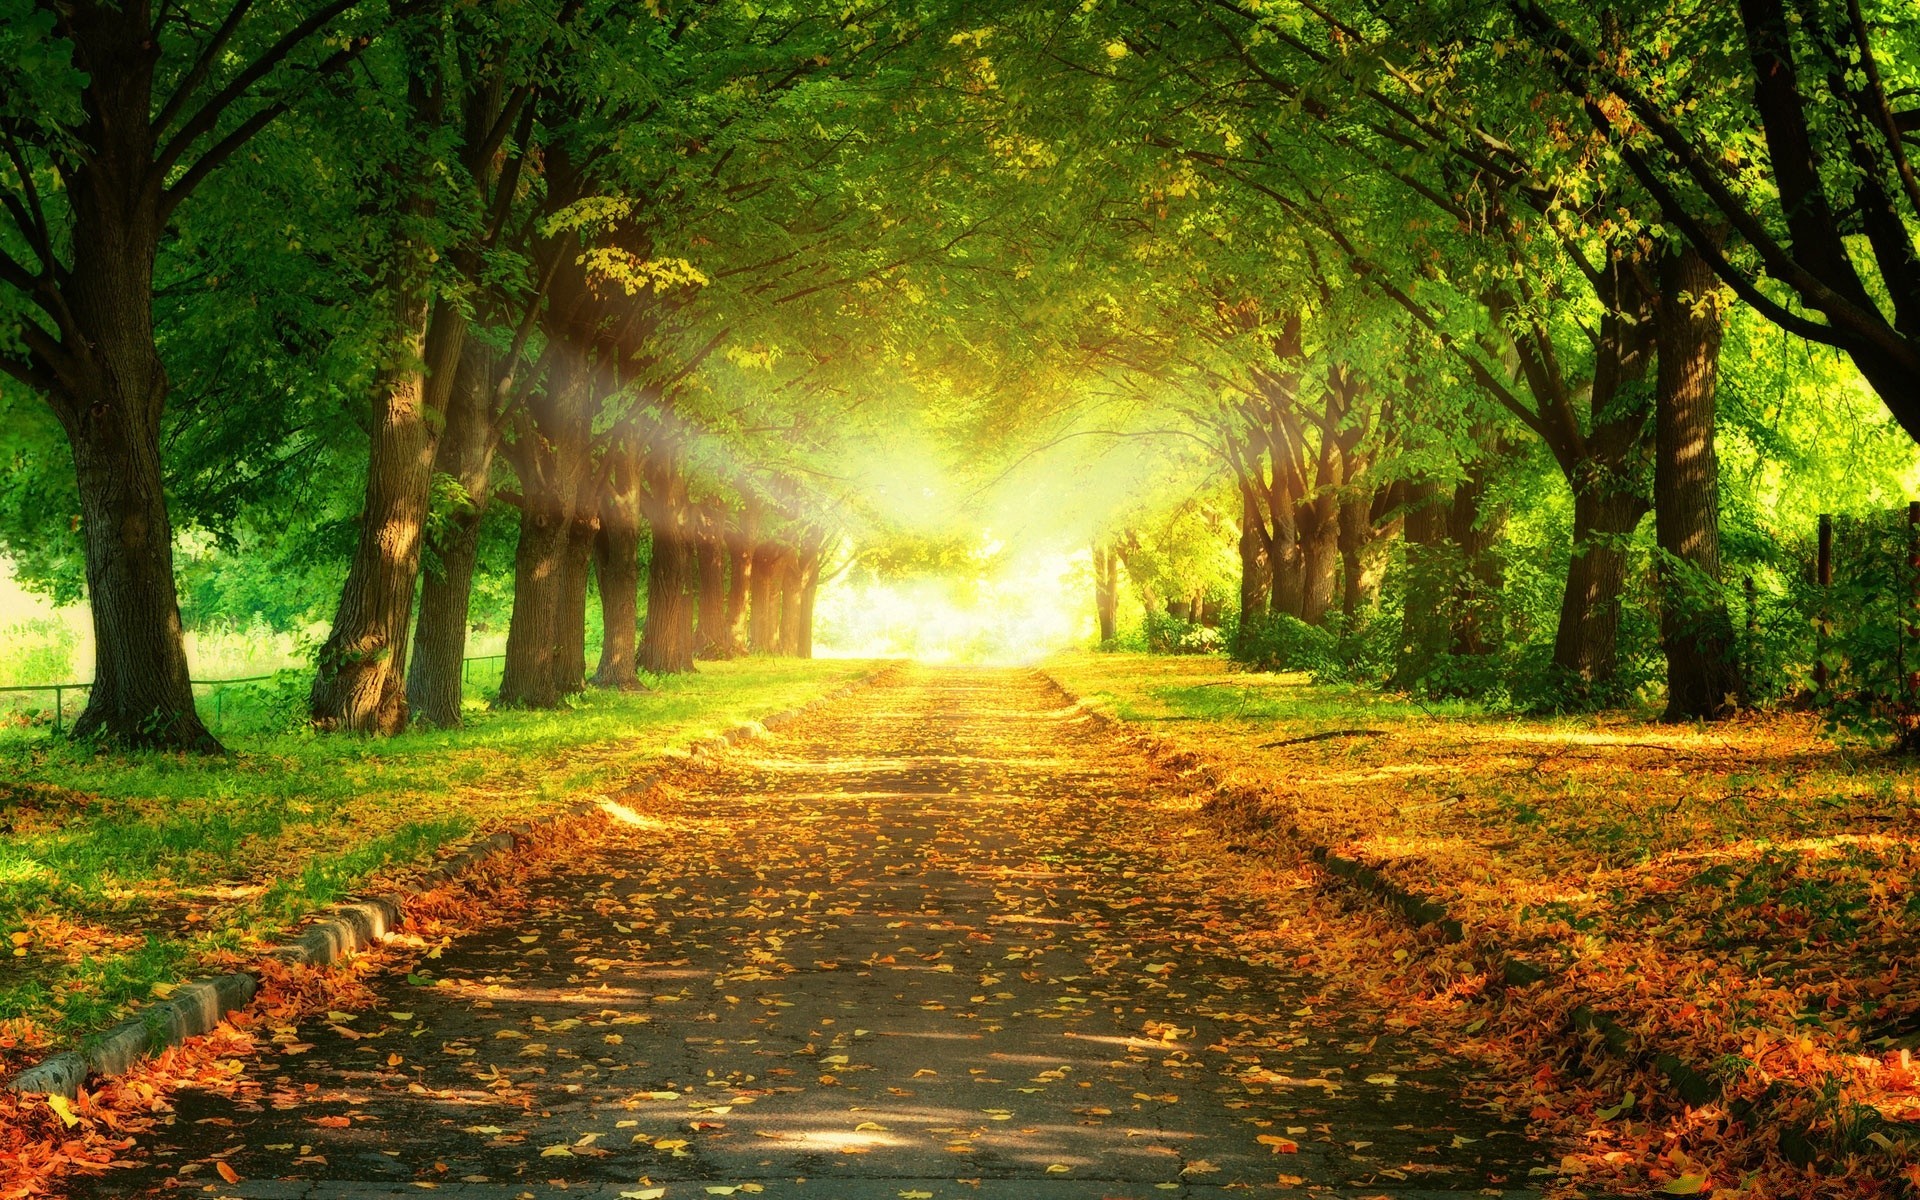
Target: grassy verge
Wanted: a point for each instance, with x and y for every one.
(120, 872)
(1745, 895)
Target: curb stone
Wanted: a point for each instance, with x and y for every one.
(1693, 1086)
(198, 1007)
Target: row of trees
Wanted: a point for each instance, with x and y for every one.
(1379, 258)
(1399, 277)
(588, 261)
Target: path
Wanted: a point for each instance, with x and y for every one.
(938, 941)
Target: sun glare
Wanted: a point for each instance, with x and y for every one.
(1012, 614)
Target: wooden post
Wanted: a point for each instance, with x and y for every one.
(1822, 576)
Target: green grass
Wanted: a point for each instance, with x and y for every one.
(123, 870)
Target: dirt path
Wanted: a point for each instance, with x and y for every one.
(940, 941)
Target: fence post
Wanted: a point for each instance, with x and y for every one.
(1823, 577)
(59, 708)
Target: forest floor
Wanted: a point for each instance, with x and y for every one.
(944, 938)
(1743, 896)
(121, 874)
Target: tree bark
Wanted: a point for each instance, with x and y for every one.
(1605, 471)
(764, 618)
(464, 455)
(1696, 628)
(1474, 531)
(713, 632)
(809, 596)
(1319, 559)
(792, 588)
(1106, 591)
(666, 644)
(743, 527)
(616, 562)
(109, 389)
(570, 662)
(551, 454)
(361, 682)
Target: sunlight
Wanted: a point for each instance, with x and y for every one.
(1013, 614)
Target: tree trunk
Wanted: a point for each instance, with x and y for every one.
(666, 645)
(1106, 591)
(1319, 548)
(1605, 473)
(570, 662)
(464, 455)
(140, 695)
(713, 632)
(616, 562)
(808, 597)
(742, 528)
(539, 577)
(1479, 577)
(764, 619)
(1424, 629)
(109, 391)
(792, 586)
(361, 682)
(1287, 560)
(1696, 629)
(551, 455)
(1585, 645)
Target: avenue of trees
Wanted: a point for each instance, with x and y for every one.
(1527, 324)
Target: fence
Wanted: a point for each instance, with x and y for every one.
(220, 686)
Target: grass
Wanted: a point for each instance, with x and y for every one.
(120, 872)
(1745, 893)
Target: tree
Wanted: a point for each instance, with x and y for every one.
(119, 115)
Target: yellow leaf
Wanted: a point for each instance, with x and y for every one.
(652, 1193)
(865, 1126)
(63, 1110)
(559, 1151)
(1686, 1185)
(1058, 1168)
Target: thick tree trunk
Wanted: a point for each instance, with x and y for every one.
(1256, 570)
(666, 645)
(1585, 644)
(1476, 591)
(140, 695)
(552, 458)
(713, 632)
(1423, 621)
(465, 455)
(1319, 560)
(1287, 561)
(539, 578)
(764, 617)
(809, 596)
(616, 562)
(742, 528)
(1605, 472)
(1703, 672)
(1367, 526)
(1106, 591)
(792, 586)
(109, 393)
(361, 682)
(570, 663)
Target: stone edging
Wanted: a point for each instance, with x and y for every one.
(196, 1008)
(1692, 1086)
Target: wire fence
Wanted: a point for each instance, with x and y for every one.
(469, 673)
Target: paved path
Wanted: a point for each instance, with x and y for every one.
(941, 941)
